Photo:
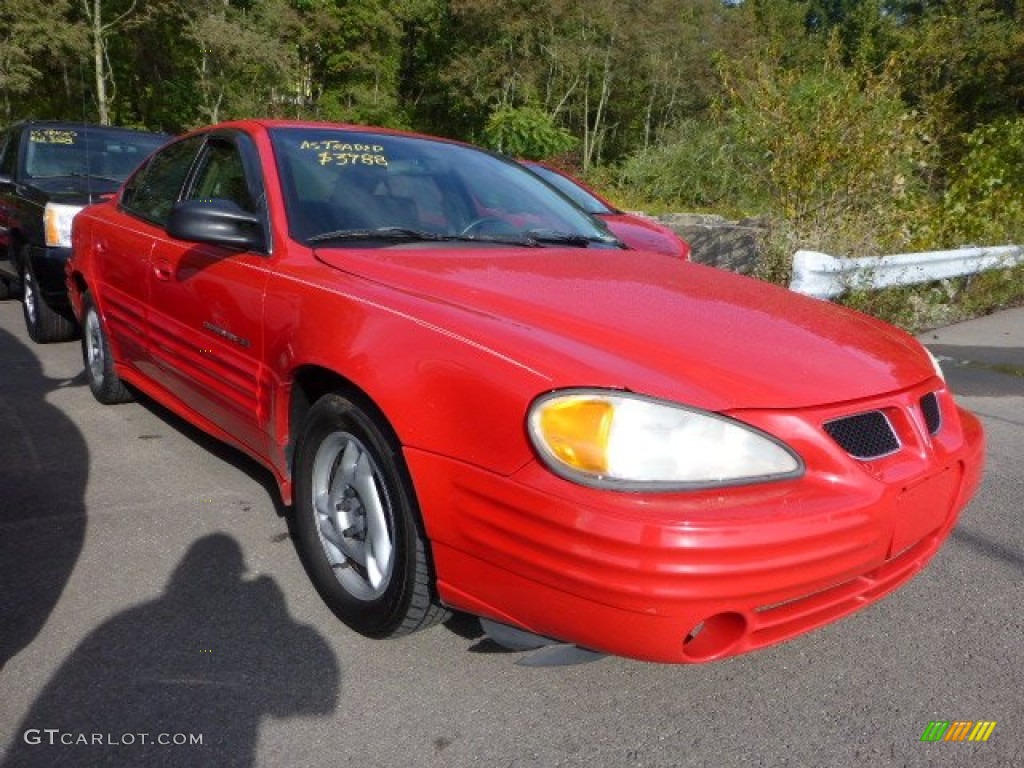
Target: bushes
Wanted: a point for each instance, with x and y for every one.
(526, 132)
(985, 199)
(837, 162)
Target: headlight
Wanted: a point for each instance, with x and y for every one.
(57, 220)
(624, 441)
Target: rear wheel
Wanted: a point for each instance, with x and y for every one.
(356, 523)
(104, 382)
(44, 324)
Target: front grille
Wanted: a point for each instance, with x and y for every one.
(932, 413)
(865, 435)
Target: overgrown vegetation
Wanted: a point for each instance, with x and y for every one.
(855, 127)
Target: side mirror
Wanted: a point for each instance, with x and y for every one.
(217, 222)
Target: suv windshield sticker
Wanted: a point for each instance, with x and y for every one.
(52, 136)
(333, 152)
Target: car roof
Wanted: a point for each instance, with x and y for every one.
(270, 124)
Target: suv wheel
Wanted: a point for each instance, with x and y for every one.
(44, 324)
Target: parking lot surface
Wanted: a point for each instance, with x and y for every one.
(153, 612)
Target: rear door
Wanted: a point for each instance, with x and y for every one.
(122, 248)
(8, 210)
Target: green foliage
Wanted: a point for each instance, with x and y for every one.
(840, 158)
(985, 200)
(526, 132)
(831, 153)
(34, 33)
(960, 61)
(856, 127)
(703, 168)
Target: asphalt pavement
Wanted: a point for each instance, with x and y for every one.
(153, 612)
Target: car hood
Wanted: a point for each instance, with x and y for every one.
(639, 321)
(643, 235)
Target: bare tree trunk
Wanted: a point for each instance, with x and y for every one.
(99, 61)
(594, 134)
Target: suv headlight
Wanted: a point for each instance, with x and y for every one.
(618, 440)
(57, 223)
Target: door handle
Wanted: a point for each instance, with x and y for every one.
(162, 271)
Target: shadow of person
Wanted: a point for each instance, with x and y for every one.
(44, 467)
(184, 679)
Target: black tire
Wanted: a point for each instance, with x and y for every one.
(44, 324)
(105, 384)
(362, 545)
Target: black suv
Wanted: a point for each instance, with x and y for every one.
(49, 171)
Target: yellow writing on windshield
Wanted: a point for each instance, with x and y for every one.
(335, 153)
(52, 136)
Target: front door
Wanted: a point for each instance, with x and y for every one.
(205, 330)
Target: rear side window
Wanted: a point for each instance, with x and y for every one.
(151, 192)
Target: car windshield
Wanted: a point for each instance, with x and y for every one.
(367, 189)
(584, 199)
(81, 151)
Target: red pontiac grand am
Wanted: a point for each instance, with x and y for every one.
(473, 398)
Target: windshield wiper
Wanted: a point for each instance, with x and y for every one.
(381, 233)
(77, 175)
(418, 235)
(551, 237)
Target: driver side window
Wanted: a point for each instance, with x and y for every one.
(155, 188)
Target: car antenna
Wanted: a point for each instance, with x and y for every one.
(85, 121)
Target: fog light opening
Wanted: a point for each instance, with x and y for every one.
(714, 636)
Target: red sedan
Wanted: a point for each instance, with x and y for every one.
(474, 399)
(637, 232)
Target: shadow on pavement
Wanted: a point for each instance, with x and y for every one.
(44, 467)
(184, 679)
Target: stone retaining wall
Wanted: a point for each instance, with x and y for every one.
(714, 240)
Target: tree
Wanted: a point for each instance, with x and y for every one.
(245, 66)
(100, 32)
(33, 33)
(526, 132)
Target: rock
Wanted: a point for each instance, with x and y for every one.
(716, 241)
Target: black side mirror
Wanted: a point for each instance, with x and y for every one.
(217, 222)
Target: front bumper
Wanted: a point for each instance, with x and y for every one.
(690, 577)
(48, 266)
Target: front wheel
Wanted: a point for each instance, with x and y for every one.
(43, 322)
(105, 384)
(356, 524)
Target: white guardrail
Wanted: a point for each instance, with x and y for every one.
(824, 277)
